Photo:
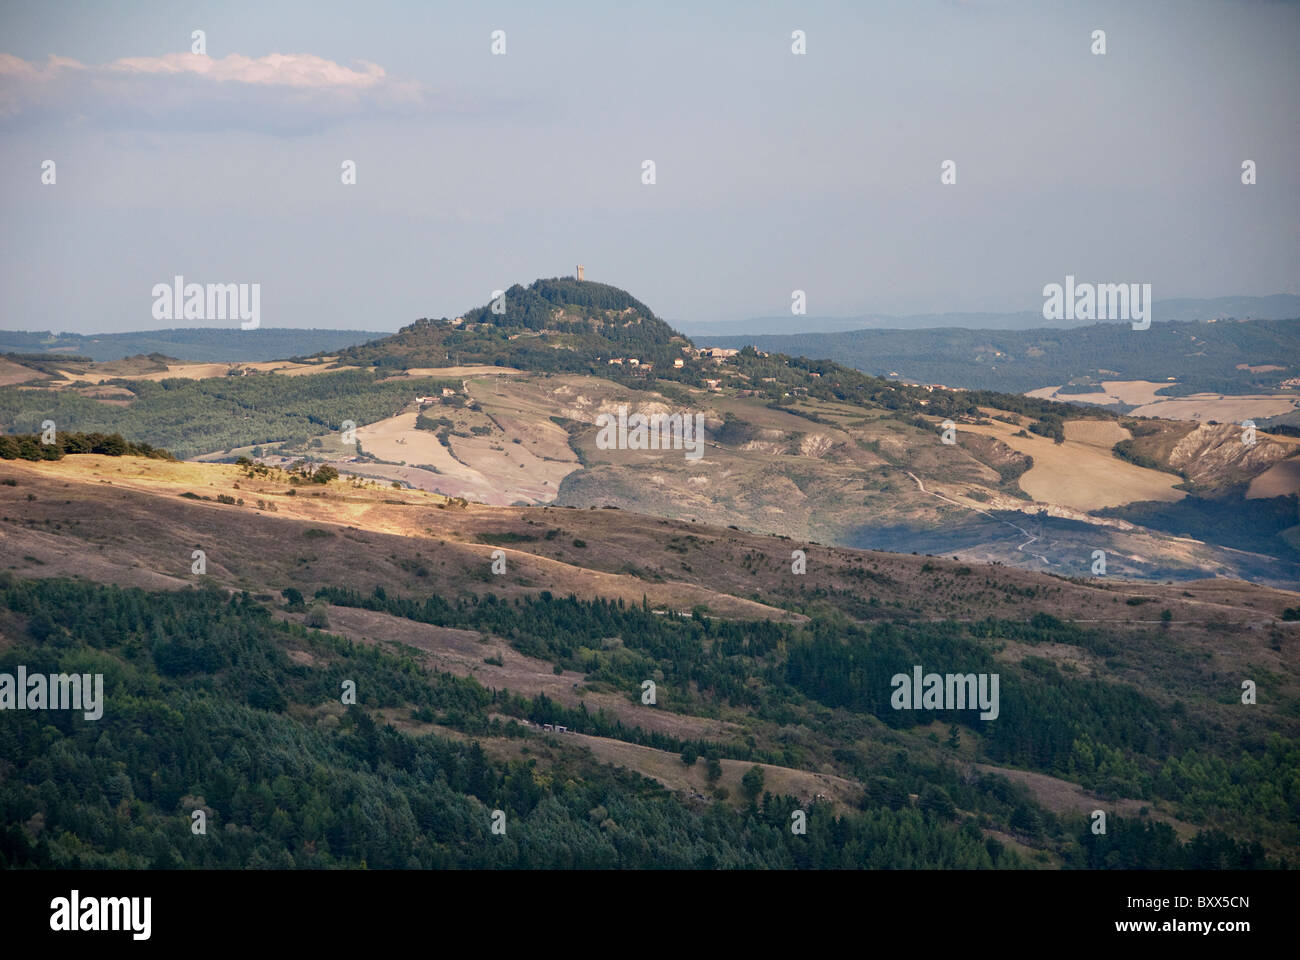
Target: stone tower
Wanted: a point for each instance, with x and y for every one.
(579, 271)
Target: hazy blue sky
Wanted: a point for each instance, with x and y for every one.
(775, 171)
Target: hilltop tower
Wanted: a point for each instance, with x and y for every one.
(579, 271)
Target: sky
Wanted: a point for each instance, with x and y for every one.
(774, 172)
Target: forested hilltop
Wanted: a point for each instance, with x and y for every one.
(571, 326)
(560, 324)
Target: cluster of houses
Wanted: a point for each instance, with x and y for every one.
(426, 401)
(717, 354)
(678, 363)
(631, 362)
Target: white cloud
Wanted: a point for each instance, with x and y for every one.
(292, 70)
(285, 93)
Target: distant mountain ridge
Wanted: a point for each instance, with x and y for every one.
(188, 344)
(531, 307)
(1278, 306)
(1222, 357)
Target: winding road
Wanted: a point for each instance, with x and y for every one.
(1013, 526)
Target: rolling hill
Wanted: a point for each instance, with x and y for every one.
(1115, 695)
(796, 447)
(635, 656)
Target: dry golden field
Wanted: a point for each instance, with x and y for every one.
(1213, 406)
(1141, 394)
(1095, 433)
(1082, 475)
(100, 372)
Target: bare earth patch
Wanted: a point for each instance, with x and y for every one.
(1061, 796)
(11, 373)
(669, 770)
